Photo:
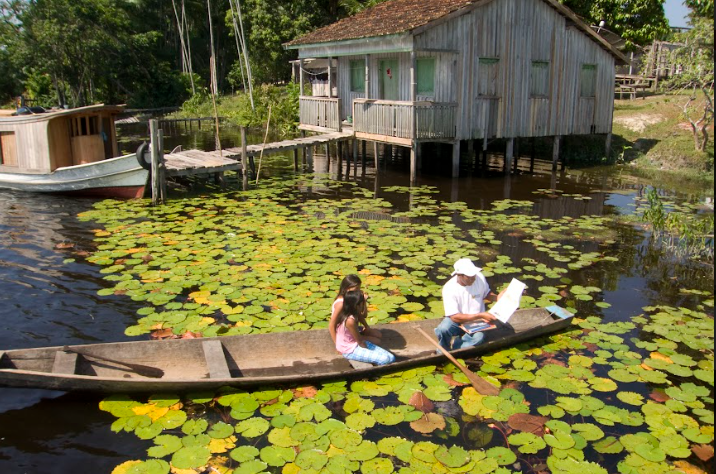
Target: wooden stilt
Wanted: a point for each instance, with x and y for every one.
(555, 152)
(456, 158)
(608, 145)
(375, 156)
(517, 155)
(413, 162)
(484, 153)
(532, 155)
(355, 158)
(295, 159)
(509, 151)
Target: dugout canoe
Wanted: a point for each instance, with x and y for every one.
(244, 361)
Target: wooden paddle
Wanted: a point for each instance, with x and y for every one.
(143, 370)
(481, 385)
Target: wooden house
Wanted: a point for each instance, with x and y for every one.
(411, 71)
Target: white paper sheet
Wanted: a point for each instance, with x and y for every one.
(510, 301)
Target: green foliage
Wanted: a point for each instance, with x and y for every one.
(688, 233)
(639, 22)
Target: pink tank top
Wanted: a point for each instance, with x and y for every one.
(345, 343)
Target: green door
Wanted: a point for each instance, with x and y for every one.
(389, 79)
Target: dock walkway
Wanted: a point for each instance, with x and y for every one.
(191, 162)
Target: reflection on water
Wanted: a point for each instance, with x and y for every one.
(47, 300)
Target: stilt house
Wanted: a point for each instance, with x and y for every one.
(411, 71)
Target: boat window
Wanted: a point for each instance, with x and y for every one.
(8, 149)
(488, 77)
(358, 75)
(588, 80)
(81, 126)
(539, 79)
(426, 76)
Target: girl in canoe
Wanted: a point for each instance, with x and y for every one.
(349, 340)
(352, 283)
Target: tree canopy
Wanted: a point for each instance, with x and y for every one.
(639, 22)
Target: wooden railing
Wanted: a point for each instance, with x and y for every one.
(404, 120)
(319, 113)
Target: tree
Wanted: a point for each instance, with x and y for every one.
(639, 22)
(701, 8)
(696, 58)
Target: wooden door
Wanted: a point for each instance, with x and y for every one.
(389, 79)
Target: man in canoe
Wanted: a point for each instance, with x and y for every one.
(464, 298)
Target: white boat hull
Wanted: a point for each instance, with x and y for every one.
(114, 177)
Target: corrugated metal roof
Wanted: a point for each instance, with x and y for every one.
(387, 18)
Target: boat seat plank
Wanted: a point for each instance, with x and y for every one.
(65, 363)
(215, 359)
(359, 365)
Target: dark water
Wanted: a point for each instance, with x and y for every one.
(45, 301)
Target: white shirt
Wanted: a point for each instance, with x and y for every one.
(465, 299)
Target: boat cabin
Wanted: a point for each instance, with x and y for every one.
(411, 71)
(40, 143)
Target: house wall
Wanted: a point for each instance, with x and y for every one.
(518, 32)
(445, 78)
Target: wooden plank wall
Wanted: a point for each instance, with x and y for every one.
(445, 70)
(31, 144)
(519, 32)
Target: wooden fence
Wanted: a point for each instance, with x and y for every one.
(405, 120)
(320, 113)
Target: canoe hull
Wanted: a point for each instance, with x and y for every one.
(115, 177)
(298, 357)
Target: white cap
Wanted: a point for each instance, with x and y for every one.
(464, 266)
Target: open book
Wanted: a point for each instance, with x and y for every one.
(510, 301)
(477, 326)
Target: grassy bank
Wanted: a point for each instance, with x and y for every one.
(652, 134)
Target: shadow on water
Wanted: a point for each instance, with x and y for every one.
(48, 292)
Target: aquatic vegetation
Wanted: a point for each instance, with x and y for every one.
(268, 259)
(430, 419)
(679, 228)
(630, 396)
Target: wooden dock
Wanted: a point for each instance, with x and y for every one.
(193, 162)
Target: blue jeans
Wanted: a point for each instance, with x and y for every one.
(448, 329)
(371, 354)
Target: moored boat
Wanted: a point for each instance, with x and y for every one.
(179, 365)
(68, 151)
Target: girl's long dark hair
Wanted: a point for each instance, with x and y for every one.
(348, 281)
(353, 305)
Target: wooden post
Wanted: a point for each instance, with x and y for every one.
(328, 151)
(367, 77)
(413, 162)
(484, 153)
(244, 153)
(375, 156)
(162, 168)
(355, 158)
(156, 159)
(532, 155)
(509, 151)
(303, 149)
(330, 80)
(608, 145)
(456, 158)
(300, 78)
(555, 152)
(295, 159)
(517, 155)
